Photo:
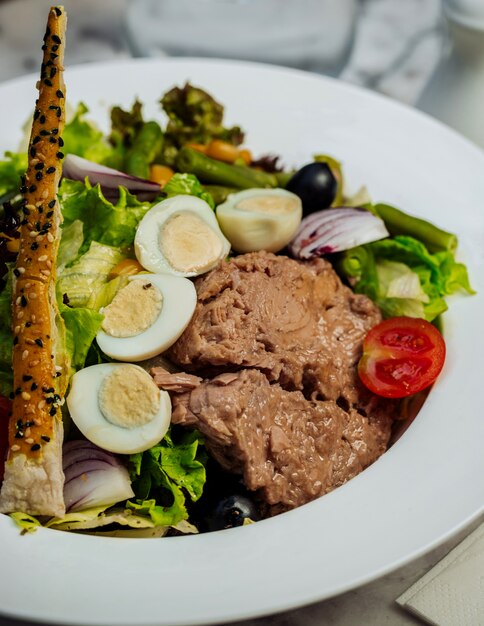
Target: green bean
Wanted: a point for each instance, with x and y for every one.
(399, 223)
(219, 193)
(146, 145)
(209, 170)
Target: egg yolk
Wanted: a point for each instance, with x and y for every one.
(133, 310)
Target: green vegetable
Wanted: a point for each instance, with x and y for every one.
(84, 138)
(193, 117)
(170, 470)
(11, 170)
(27, 523)
(400, 223)
(209, 170)
(82, 281)
(125, 125)
(219, 194)
(72, 238)
(81, 326)
(144, 149)
(385, 271)
(187, 184)
(104, 222)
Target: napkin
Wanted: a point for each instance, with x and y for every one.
(452, 593)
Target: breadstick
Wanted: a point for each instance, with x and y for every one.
(34, 480)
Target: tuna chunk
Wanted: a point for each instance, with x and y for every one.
(296, 322)
(288, 449)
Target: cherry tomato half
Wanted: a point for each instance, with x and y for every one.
(401, 355)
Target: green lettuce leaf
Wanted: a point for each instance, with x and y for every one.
(81, 325)
(72, 238)
(11, 169)
(84, 281)
(27, 523)
(84, 138)
(165, 474)
(386, 271)
(187, 184)
(104, 222)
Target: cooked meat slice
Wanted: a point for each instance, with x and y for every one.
(174, 381)
(294, 321)
(288, 449)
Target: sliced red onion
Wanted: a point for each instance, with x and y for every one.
(77, 168)
(334, 230)
(93, 477)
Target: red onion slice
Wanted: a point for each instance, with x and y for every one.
(93, 477)
(77, 168)
(334, 230)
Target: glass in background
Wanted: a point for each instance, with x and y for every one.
(309, 34)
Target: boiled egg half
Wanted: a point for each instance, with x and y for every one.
(180, 236)
(260, 219)
(118, 407)
(146, 316)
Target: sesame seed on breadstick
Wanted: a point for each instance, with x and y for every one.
(33, 481)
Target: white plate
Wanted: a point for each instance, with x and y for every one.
(420, 492)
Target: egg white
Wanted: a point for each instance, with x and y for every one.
(147, 239)
(83, 405)
(178, 306)
(251, 231)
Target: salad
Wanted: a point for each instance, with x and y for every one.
(154, 215)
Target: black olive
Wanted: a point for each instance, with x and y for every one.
(316, 185)
(232, 511)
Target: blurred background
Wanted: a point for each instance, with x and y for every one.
(426, 53)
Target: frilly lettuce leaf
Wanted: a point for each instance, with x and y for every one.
(385, 271)
(187, 184)
(104, 222)
(82, 282)
(72, 238)
(164, 475)
(82, 325)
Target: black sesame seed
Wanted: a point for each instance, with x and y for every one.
(36, 140)
(48, 64)
(47, 226)
(53, 72)
(61, 141)
(15, 340)
(60, 155)
(29, 424)
(49, 214)
(19, 434)
(53, 140)
(23, 301)
(16, 272)
(34, 246)
(42, 117)
(59, 112)
(47, 32)
(11, 395)
(50, 170)
(48, 82)
(35, 447)
(57, 374)
(59, 93)
(49, 400)
(36, 114)
(55, 48)
(41, 210)
(39, 342)
(23, 189)
(58, 12)
(44, 132)
(34, 386)
(18, 391)
(28, 325)
(33, 152)
(57, 39)
(51, 205)
(45, 438)
(57, 398)
(55, 131)
(53, 55)
(32, 188)
(39, 176)
(44, 47)
(39, 166)
(53, 411)
(26, 377)
(48, 389)
(37, 225)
